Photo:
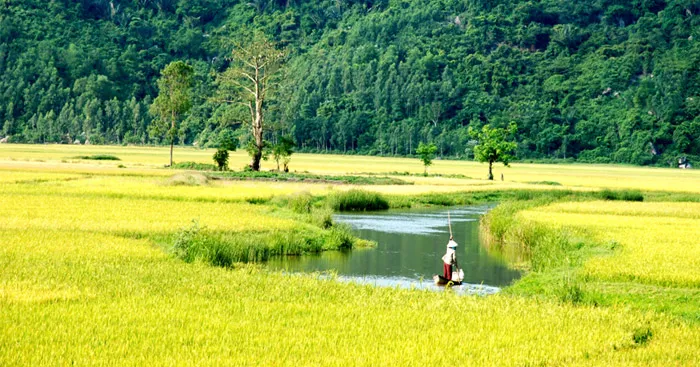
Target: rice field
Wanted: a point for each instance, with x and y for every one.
(86, 299)
(146, 160)
(659, 242)
(85, 278)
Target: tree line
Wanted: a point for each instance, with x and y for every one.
(592, 80)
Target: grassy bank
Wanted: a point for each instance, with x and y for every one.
(640, 255)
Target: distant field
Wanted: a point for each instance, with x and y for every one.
(88, 274)
(146, 160)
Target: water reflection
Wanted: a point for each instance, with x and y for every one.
(409, 251)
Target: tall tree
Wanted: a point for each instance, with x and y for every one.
(249, 81)
(173, 101)
(493, 145)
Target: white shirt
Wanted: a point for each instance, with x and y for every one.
(450, 256)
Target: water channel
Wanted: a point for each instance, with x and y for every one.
(410, 247)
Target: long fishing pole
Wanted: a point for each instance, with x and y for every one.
(449, 223)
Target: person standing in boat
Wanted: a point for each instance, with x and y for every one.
(450, 258)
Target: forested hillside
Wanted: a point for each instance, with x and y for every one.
(592, 80)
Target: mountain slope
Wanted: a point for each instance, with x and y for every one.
(601, 81)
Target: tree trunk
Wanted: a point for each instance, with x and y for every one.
(258, 124)
(255, 164)
(172, 137)
(491, 170)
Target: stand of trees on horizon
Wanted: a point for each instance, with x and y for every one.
(591, 80)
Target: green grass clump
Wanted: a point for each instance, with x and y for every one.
(98, 157)
(195, 166)
(224, 249)
(321, 217)
(357, 200)
(257, 200)
(642, 335)
(622, 195)
(300, 203)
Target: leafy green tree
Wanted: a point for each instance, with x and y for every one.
(426, 153)
(249, 81)
(226, 141)
(173, 101)
(493, 145)
(282, 151)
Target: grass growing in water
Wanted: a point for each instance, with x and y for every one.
(224, 249)
(357, 200)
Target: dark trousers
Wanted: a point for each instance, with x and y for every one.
(447, 269)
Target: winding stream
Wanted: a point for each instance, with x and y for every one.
(410, 247)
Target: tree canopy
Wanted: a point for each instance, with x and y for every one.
(493, 145)
(174, 100)
(426, 153)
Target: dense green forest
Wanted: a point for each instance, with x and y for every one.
(591, 80)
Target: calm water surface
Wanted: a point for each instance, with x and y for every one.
(409, 251)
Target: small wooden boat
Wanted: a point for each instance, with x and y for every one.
(457, 278)
(441, 281)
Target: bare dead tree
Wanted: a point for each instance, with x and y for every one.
(248, 82)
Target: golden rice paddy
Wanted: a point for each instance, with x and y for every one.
(660, 242)
(145, 160)
(81, 282)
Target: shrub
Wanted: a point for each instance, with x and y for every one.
(194, 166)
(221, 159)
(98, 157)
(357, 200)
